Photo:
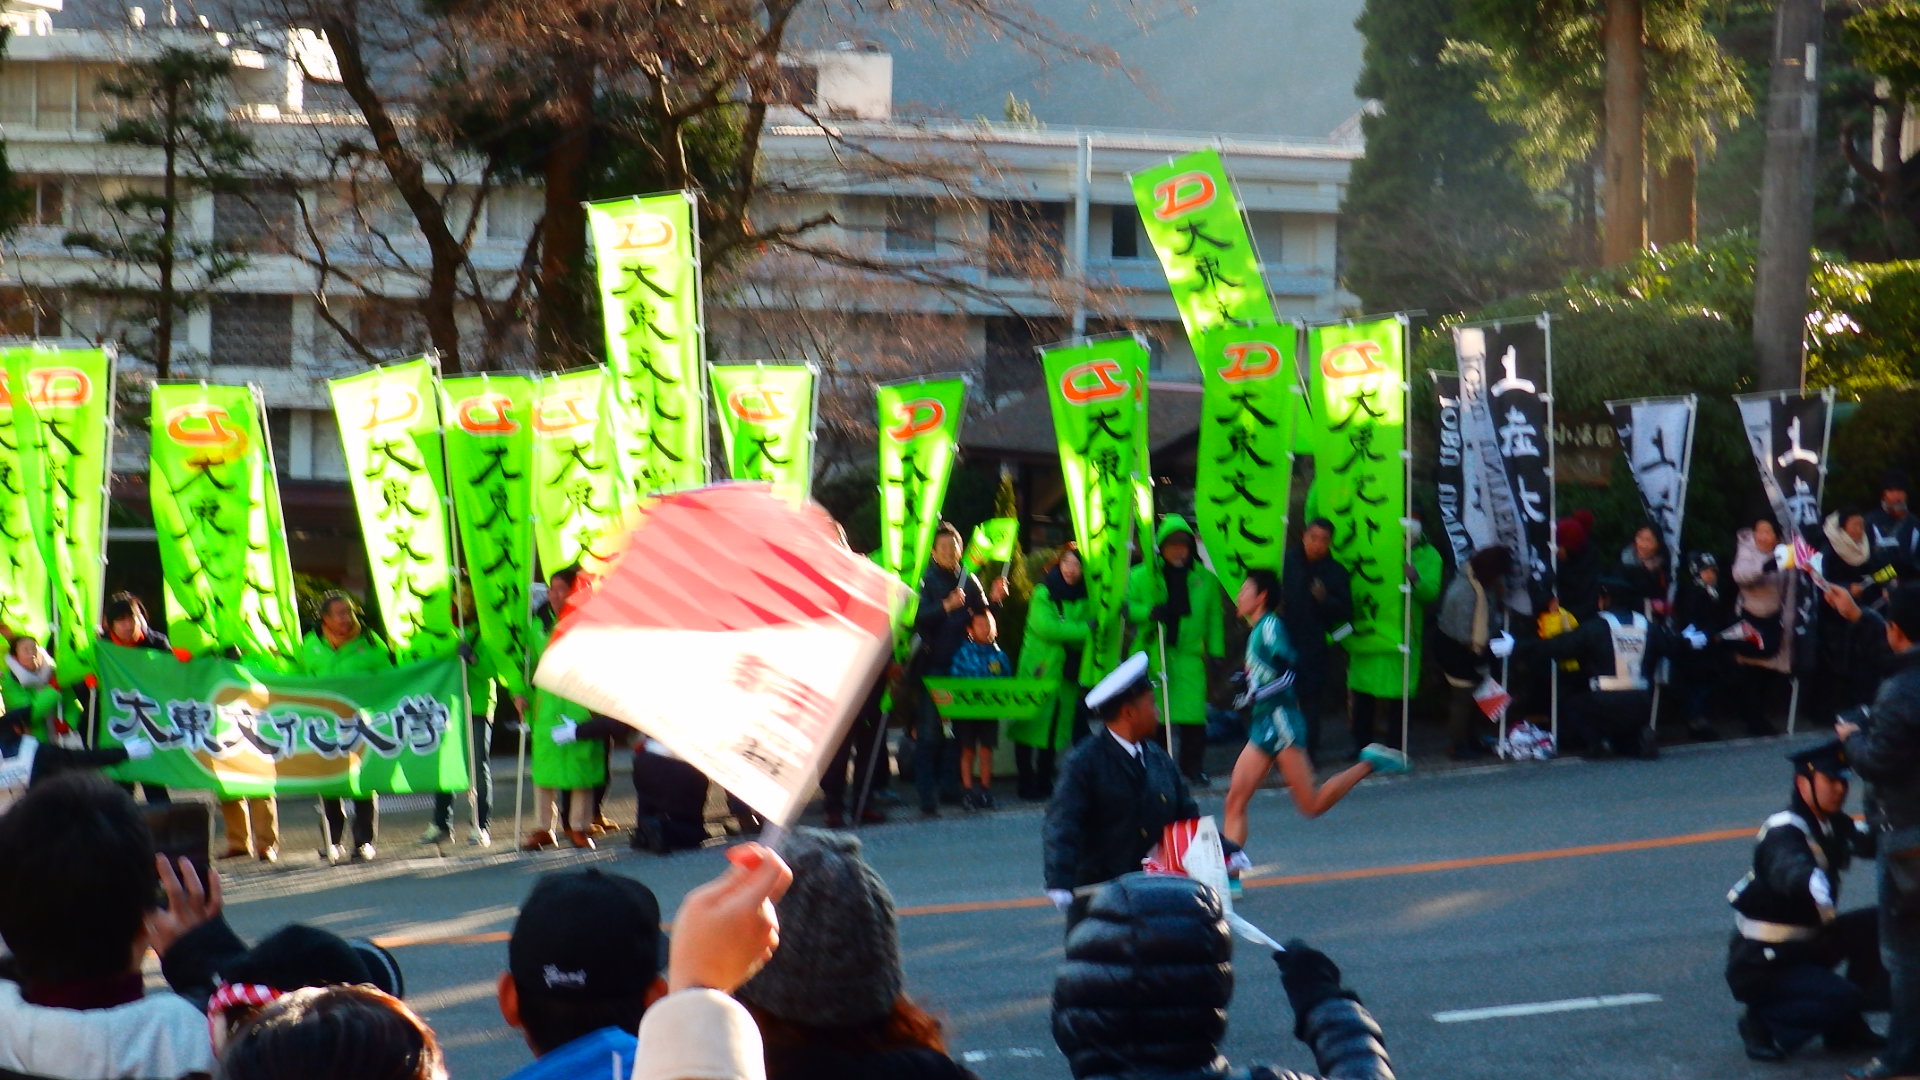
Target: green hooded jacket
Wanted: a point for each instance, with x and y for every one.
(1201, 633)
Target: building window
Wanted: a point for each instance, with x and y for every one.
(251, 330)
(257, 220)
(29, 314)
(1027, 238)
(46, 202)
(911, 225)
(798, 84)
(387, 328)
(1126, 233)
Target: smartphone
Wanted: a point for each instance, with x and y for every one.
(183, 830)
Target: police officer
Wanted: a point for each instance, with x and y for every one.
(1613, 648)
(1116, 792)
(1788, 934)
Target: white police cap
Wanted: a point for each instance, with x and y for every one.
(1125, 683)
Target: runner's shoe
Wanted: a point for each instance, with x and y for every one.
(1386, 761)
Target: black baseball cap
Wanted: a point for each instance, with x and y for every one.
(297, 956)
(587, 934)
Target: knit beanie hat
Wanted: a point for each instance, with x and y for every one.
(838, 964)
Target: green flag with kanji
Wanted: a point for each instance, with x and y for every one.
(23, 574)
(1244, 473)
(919, 435)
(647, 253)
(994, 541)
(390, 430)
(1098, 390)
(63, 416)
(576, 479)
(766, 423)
(1196, 228)
(489, 422)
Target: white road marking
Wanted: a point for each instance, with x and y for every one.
(975, 1057)
(1501, 1012)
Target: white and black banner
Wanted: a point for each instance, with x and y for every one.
(1449, 480)
(1506, 393)
(1656, 436)
(1787, 433)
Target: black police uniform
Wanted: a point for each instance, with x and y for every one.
(1789, 937)
(1615, 649)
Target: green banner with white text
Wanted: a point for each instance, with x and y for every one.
(1098, 390)
(576, 491)
(23, 572)
(62, 403)
(647, 252)
(1244, 475)
(1360, 479)
(390, 429)
(991, 699)
(919, 435)
(489, 422)
(242, 732)
(766, 424)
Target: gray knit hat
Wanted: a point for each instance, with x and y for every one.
(838, 964)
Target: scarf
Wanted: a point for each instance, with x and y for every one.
(1179, 601)
(31, 678)
(1852, 552)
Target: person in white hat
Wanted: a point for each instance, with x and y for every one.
(1116, 792)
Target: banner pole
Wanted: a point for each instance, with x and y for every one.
(1553, 515)
(1406, 519)
(1166, 690)
(459, 552)
(526, 666)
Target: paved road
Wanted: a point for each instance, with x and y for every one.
(1459, 891)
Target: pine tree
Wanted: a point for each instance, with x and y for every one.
(1438, 215)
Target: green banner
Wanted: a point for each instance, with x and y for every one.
(992, 699)
(919, 435)
(1098, 389)
(64, 420)
(647, 251)
(1244, 475)
(576, 500)
(242, 732)
(390, 428)
(220, 538)
(1360, 478)
(766, 424)
(1195, 226)
(23, 573)
(490, 465)
(994, 541)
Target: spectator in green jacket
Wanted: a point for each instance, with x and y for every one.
(1058, 626)
(339, 646)
(1376, 670)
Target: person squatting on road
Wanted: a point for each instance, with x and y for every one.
(1279, 729)
(1143, 993)
(1118, 790)
(1885, 751)
(1789, 935)
(1175, 605)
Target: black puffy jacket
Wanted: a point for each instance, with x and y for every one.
(1143, 994)
(1887, 751)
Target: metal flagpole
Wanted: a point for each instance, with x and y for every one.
(1826, 443)
(1553, 515)
(526, 665)
(1406, 531)
(459, 609)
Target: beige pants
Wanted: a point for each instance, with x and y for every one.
(253, 825)
(546, 809)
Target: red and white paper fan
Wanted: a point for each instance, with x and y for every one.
(738, 629)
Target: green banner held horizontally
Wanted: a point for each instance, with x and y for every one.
(1098, 389)
(241, 732)
(64, 419)
(1360, 479)
(390, 428)
(209, 473)
(576, 500)
(994, 540)
(1244, 475)
(991, 699)
(647, 250)
(1194, 224)
(23, 573)
(919, 434)
(490, 465)
(766, 424)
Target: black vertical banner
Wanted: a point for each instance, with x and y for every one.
(1449, 477)
(1520, 382)
(1788, 436)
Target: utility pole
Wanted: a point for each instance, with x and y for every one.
(1786, 197)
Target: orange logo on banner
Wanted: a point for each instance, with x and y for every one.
(561, 413)
(203, 424)
(388, 406)
(1105, 384)
(1183, 194)
(54, 387)
(1351, 360)
(1250, 360)
(485, 414)
(917, 417)
(644, 232)
(758, 404)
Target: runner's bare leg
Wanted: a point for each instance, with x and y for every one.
(1296, 768)
(1248, 771)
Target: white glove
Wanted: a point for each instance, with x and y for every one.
(1822, 891)
(565, 732)
(1344, 632)
(137, 749)
(1062, 898)
(1694, 637)
(1502, 646)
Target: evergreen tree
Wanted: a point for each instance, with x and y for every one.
(173, 103)
(1437, 214)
